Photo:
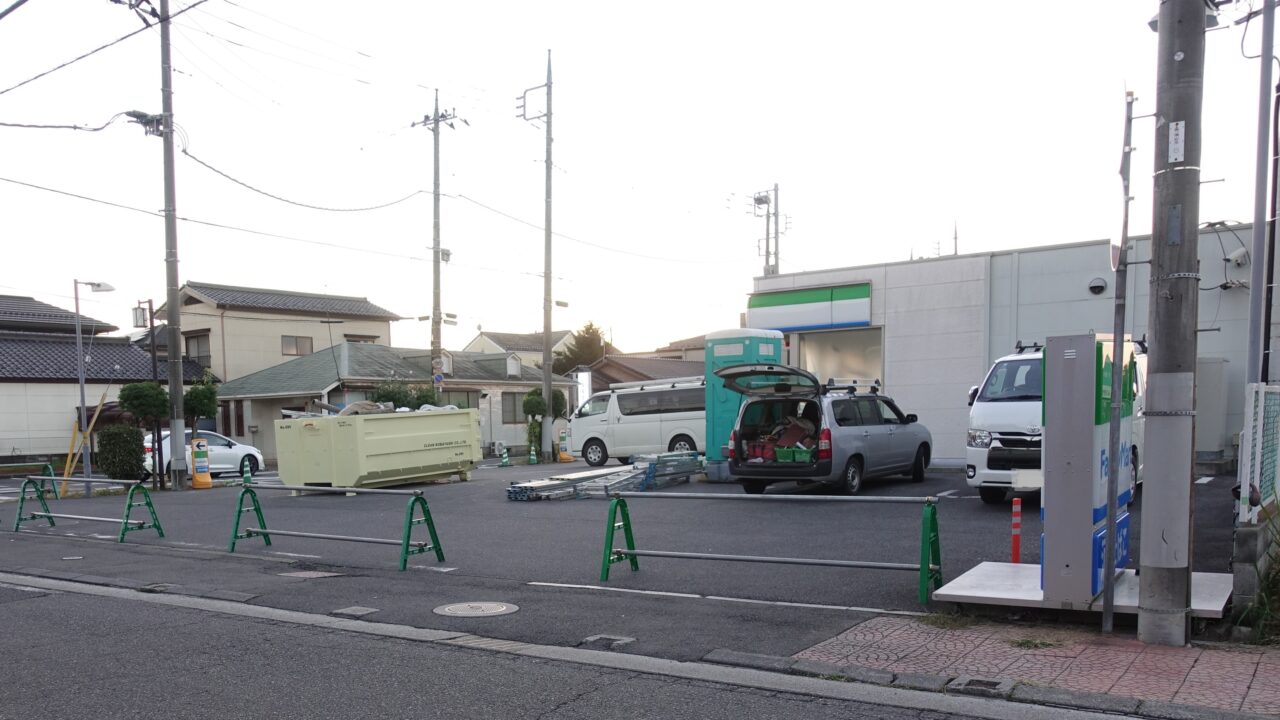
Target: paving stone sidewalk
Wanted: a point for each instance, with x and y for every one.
(1243, 678)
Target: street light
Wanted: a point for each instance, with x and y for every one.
(84, 415)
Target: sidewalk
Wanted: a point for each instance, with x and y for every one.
(1243, 678)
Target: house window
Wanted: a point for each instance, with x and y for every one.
(462, 398)
(513, 408)
(295, 345)
(361, 338)
(198, 349)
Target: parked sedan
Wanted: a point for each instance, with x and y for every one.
(791, 427)
(225, 455)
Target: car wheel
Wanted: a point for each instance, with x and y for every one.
(248, 466)
(851, 482)
(754, 487)
(682, 443)
(993, 495)
(1133, 463)
(921, 462)
(594, 453)
(625, 460)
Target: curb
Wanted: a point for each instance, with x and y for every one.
(1000, 688)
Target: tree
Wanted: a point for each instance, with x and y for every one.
(535, 406)
(404, 395)
(147, 402)
(120, 452)
(201, 401)
(587, 346)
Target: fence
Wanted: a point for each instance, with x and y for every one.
(35, 484)
(408, 546)
(46, 474)
(1259, 445)
(929, 569)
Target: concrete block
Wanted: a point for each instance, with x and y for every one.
(1071, 698)
(856, 673)
(1174, 711)
(921, 681)
(984, 687)
(750, 660)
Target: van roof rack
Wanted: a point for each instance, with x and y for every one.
(659, 383)
(1021, 347)
(852, 384)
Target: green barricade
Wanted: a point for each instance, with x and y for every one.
(127, 524)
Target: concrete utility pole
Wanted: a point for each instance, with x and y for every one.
(547, 429)
(433, 121)
(1165, 578)
(777, 231)
(1258, 284)
(177, 418)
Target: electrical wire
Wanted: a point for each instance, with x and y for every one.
(247, 186)
(103, 126)
(99, 49)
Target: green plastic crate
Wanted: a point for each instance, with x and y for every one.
(785, 454)
(803, 455)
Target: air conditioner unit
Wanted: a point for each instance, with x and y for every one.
(499, 447)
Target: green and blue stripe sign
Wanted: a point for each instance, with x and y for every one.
(811, 308)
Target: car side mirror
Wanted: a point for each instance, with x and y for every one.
(973, 395)
(911, 417)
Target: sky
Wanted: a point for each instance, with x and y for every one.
(890, 129)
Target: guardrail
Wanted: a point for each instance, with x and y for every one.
(35, 484)
(408, 546)
(929, 569)
(46, 474)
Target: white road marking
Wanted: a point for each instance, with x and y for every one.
(433, 569)
(946, 493)
(1203, 480)
(695, 596)
(298, 555)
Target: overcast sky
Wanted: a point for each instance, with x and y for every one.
(885, 125)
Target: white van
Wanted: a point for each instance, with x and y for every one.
(1003, 448)
(653, 416)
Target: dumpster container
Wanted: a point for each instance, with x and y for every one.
(378, 450)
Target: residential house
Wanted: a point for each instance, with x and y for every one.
(528, 346)
(237, 331)
(493, 383)
(687, 349)
(39, 384)
(630, 368)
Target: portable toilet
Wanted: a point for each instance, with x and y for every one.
(725, 348)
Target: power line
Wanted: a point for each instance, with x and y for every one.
(103, 126)
(293, 202)
(17, 4)
(99, 49)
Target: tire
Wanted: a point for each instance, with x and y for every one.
(594, 453)
(851, 481)
(921, 462)
(993, 495)
(754, 487)
(682, 443)
(248, 466)
(1133, 463)
(623, 460)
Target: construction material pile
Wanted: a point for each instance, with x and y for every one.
(649, 472)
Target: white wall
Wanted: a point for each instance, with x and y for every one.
(36, 418)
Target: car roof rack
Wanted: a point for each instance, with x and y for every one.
(657, 383)
(852, 385)
(1021, 347)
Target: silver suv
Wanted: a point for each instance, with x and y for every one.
(793, 428)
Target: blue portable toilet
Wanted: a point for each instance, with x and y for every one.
(725, 348)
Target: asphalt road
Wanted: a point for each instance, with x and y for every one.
(69, 655)
(546, 558)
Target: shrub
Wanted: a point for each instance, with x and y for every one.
(120, 452)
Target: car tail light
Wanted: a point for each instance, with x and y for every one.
(733, 444)
(824, 444)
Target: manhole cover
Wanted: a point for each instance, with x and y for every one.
(476, 609)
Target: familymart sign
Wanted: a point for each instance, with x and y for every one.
(811, 309)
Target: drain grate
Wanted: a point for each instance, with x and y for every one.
(476, 609)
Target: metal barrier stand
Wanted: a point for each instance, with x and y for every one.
(46, 475)
(408, 546)
(929, 569)
(35, 484)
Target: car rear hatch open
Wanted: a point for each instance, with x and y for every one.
(770, 381)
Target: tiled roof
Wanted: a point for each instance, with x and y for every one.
(52, 357)
(654, 368)
(528, 342)
(27, 314)
(693, 343)
(228, 296)
(311, 375)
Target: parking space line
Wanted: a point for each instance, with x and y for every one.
(1204, 480)
(721, 598)
(946, 493)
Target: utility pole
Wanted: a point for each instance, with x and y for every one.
(1257, 368)
(549, 416)
(1165, 574)
(777, 232)
(177, 419)
(433, 121)
(157, 447)
(1117, 379)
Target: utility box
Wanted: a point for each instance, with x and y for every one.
(725, 348)
(377, 450)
